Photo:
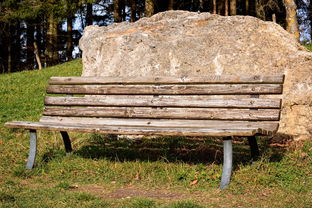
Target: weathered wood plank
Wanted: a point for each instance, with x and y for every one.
(164, 112)
(163, 123)
(265, 79)
(162, 105)
(163, 101)
(133, 130)
(212, 89)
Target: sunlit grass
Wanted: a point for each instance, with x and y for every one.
(309, 47)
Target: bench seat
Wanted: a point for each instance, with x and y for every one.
(150, 127)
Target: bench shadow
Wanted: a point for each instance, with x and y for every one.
(175, 149)
(275, 147)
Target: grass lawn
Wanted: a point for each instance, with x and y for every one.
(162, 172)
(309, 47)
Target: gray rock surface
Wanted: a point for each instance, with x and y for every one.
(182, 44)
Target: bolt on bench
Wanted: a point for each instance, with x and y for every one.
(225, 105)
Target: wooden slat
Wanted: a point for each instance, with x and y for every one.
(163, 101)
(177, 113)
(164, 123)
(133, 130)
(268, 79)
(212, 89)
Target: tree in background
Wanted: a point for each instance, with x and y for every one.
(52, 33)
(133, 7)
(214, 2)
(171, 3)
(266, 8)
(15, 16)
(233, 7)
(117, 11)
(291, 18)
(149, 8)
(71, 8)
(226, 7)
(34, 30)
(89, 15)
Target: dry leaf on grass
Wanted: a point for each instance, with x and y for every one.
(137, 177)
(194, 182)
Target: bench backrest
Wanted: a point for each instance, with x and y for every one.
(225, 97)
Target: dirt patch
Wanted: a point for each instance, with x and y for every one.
(130, 192)
(213, 197)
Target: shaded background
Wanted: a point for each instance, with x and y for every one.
(36, 34)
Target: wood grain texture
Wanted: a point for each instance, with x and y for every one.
(213, 89)
(133, 130)
(197, 106)
(211, 79)
(166, 112)
(163, 101)
(164, 123)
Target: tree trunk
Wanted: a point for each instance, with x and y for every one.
(123, 10)
(117, 11)
(51, 48)
(252, 5)
(133, 10)
(274, 18)
(246, 7)
(42, 41)
(220, 7)
(7, 44)
(170, 4)
(214, 5)
(69, 41)
(291, 18)
(10, 55)
(201, 5)
(233, 7)
(226, 7)
(36, 51)
(89, 15)
(30, 47)
(149, 8)
(3, 52)
(15, 48)
(39, 39)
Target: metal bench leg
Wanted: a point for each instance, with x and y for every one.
(254, 150)
(227, 162)
(67, 143)
(32, 149)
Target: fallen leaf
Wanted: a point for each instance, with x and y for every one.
(194, 182)
(137, 177)
(74, 186)
(304, 155)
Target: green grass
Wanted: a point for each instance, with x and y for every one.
(309, 47)
(153, 172)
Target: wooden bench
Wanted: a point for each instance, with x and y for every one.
(226, 105)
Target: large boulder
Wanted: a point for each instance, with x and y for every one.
(182, 44)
